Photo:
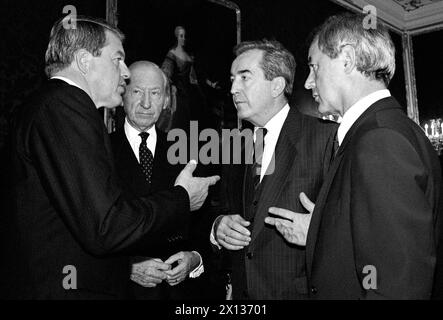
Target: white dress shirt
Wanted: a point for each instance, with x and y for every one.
(134, 139)
(356, 110)
(273, 128)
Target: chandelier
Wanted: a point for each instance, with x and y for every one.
(434, 131)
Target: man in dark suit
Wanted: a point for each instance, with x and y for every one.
(264, 266)
(375, 227)
(147, 94)
(72, 225)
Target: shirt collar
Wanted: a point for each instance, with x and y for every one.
(69, 81)
(134, 139)
(274, 125)
(356, 110)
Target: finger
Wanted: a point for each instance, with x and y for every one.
(287, 214)
(145, 281)
(174, 283)
(307, 204)
(150, 265)
(271, 221)
(176, 271)
(226, 233)
(154, 273)
(190, 167)
(174, 258)
(237, 231)
(229, 246)
(239, 219)
(160, 265)
(212, 180)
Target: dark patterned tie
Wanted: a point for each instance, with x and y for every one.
(146, 158)
(259, 147)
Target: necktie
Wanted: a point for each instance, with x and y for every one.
(335, 147)
(146, 158)
(259, 147)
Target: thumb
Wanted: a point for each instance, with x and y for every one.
(308, 204)
(173, 258)
(212, 180)
(190, 167)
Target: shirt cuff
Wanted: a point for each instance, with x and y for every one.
(200, 268)
(212, 235)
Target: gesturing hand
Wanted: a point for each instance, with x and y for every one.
(293, 226)
(197, 188)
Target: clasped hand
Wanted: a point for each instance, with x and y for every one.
(151, 272)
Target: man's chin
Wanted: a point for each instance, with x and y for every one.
(116, 102)
(322, 109)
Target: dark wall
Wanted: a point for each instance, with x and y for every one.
(26, 26)
(149, 27)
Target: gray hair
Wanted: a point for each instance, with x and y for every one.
(89, 34)
(277, 61)
(374, 49)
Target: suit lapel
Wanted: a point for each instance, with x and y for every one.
(285, 154)
(129, 165)
(163, 173)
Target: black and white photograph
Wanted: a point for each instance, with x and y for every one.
(217, 157)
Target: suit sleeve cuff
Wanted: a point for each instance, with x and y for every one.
(182, 195)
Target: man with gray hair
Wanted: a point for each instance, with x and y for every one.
(73, 226)
(374, 228)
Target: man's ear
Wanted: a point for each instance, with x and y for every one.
(278, 85)
(349, 58)
(82, 59)
(167, 100)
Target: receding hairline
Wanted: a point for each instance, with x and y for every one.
(146, 66)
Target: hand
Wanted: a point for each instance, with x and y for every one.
(187, 261)
(231, 232)
(149, 273)
(197, 188)
(294, 227)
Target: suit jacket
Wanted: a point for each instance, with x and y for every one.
(270, 267)
(68, 207)
(379, 208)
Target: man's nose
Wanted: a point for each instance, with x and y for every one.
(145, 101)
(124, 71)
(234, 87)
(310, 81)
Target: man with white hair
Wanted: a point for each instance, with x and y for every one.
(374, 231)
(140, 155)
